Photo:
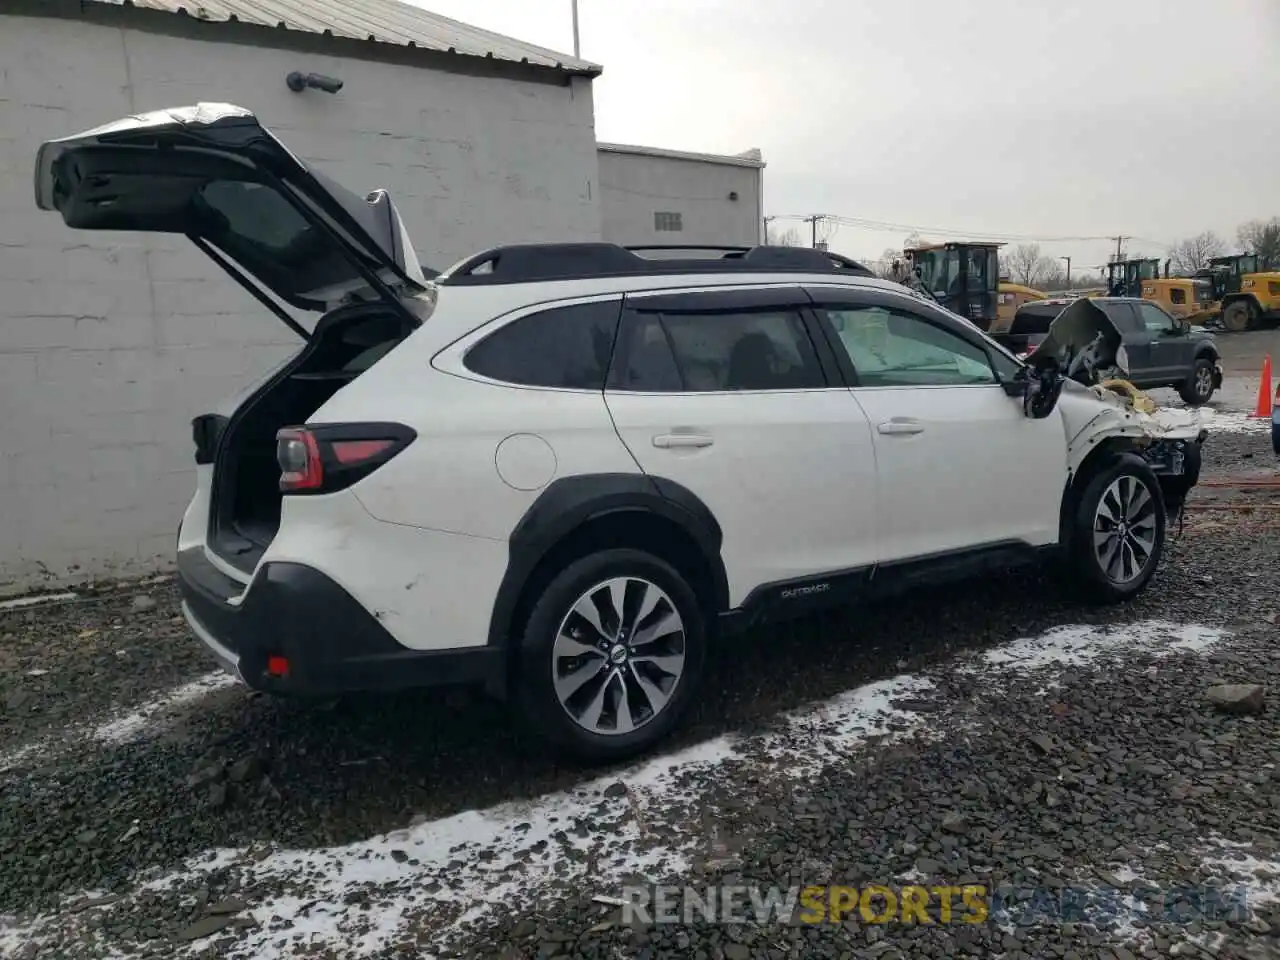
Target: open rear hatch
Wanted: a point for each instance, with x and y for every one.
(287, 234)
(215, 174)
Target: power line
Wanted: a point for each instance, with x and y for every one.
(993, 236)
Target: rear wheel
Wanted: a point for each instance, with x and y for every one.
(1118, 532)
(1198, 387)
(612, 653)
(1238, 317)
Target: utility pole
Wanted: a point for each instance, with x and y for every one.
(576, 50)
(1068, 259)
(1119, 247)
(813, 222)
(767, 221)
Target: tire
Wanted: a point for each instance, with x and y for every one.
(1198, 387)
(1238, 317)
(1095, 579)
(544, 653)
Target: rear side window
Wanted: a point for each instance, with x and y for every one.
(565, 347)
(1035, 320)
(717, 352)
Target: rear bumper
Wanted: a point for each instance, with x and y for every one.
(331, 643)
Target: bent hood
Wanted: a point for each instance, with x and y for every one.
(1083, 337)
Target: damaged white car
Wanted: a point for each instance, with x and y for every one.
(561, 470)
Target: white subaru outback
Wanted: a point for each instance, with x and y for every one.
(562, 471)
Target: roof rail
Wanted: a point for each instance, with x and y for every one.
(526, 263)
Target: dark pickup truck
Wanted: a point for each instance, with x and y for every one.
(1163, 351)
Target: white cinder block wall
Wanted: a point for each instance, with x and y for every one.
(111, 343)
(637, 183)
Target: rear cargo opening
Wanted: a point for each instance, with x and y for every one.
(245, 508)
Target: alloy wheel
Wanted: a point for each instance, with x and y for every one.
(618, 656)
(1124, 529)
(1204, 382)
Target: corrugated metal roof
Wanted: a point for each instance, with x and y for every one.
(377, 21)
(751, 158)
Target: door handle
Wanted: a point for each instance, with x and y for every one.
(898, 428)
(668, 441)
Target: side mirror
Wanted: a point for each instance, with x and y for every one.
(1039, 389)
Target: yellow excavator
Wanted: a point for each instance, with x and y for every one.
(1248, 287)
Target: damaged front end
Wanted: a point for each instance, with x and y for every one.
(1080, 369)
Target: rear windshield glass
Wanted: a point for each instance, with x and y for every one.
(1035, 319)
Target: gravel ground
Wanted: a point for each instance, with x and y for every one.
(146, 808)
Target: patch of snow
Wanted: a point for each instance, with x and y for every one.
(32, 601)
(134, 725)
(1259, 875)
(122, 728)
(1233, 421)
(830, 729)
(1081, 645)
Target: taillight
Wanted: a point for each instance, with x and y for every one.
(298, 454)
(330, 457)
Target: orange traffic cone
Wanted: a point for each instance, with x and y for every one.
(1263, 411)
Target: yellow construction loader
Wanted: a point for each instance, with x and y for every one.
(1249, 289)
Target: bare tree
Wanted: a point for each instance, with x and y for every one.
(1261, 237)
(1193, 254)
(884, 266)
(1053, 278)
(1028, 266)
(789, 237)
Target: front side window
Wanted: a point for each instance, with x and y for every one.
(1153, 318)
(565, 347)
(717, 352)
(891, 348)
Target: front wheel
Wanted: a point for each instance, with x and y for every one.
(1198, 388)
(1238, 317)
(612, 653)
(1118, 533)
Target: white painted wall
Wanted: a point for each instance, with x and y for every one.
(633, 187)
(111, 343)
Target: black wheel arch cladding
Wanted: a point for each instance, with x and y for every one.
(1107, 452)
(567, 505)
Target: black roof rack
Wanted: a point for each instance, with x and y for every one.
(525, 263)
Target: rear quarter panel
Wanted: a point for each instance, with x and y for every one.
(449, 478)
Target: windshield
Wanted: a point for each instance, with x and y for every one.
(938, 269)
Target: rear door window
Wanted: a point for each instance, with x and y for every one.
(717, 351)
(565, 348)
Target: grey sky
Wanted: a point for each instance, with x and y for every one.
(1152, 118)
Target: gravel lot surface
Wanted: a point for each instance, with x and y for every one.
(995, 734)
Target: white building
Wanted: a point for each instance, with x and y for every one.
(111, 343)
(652, 196)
